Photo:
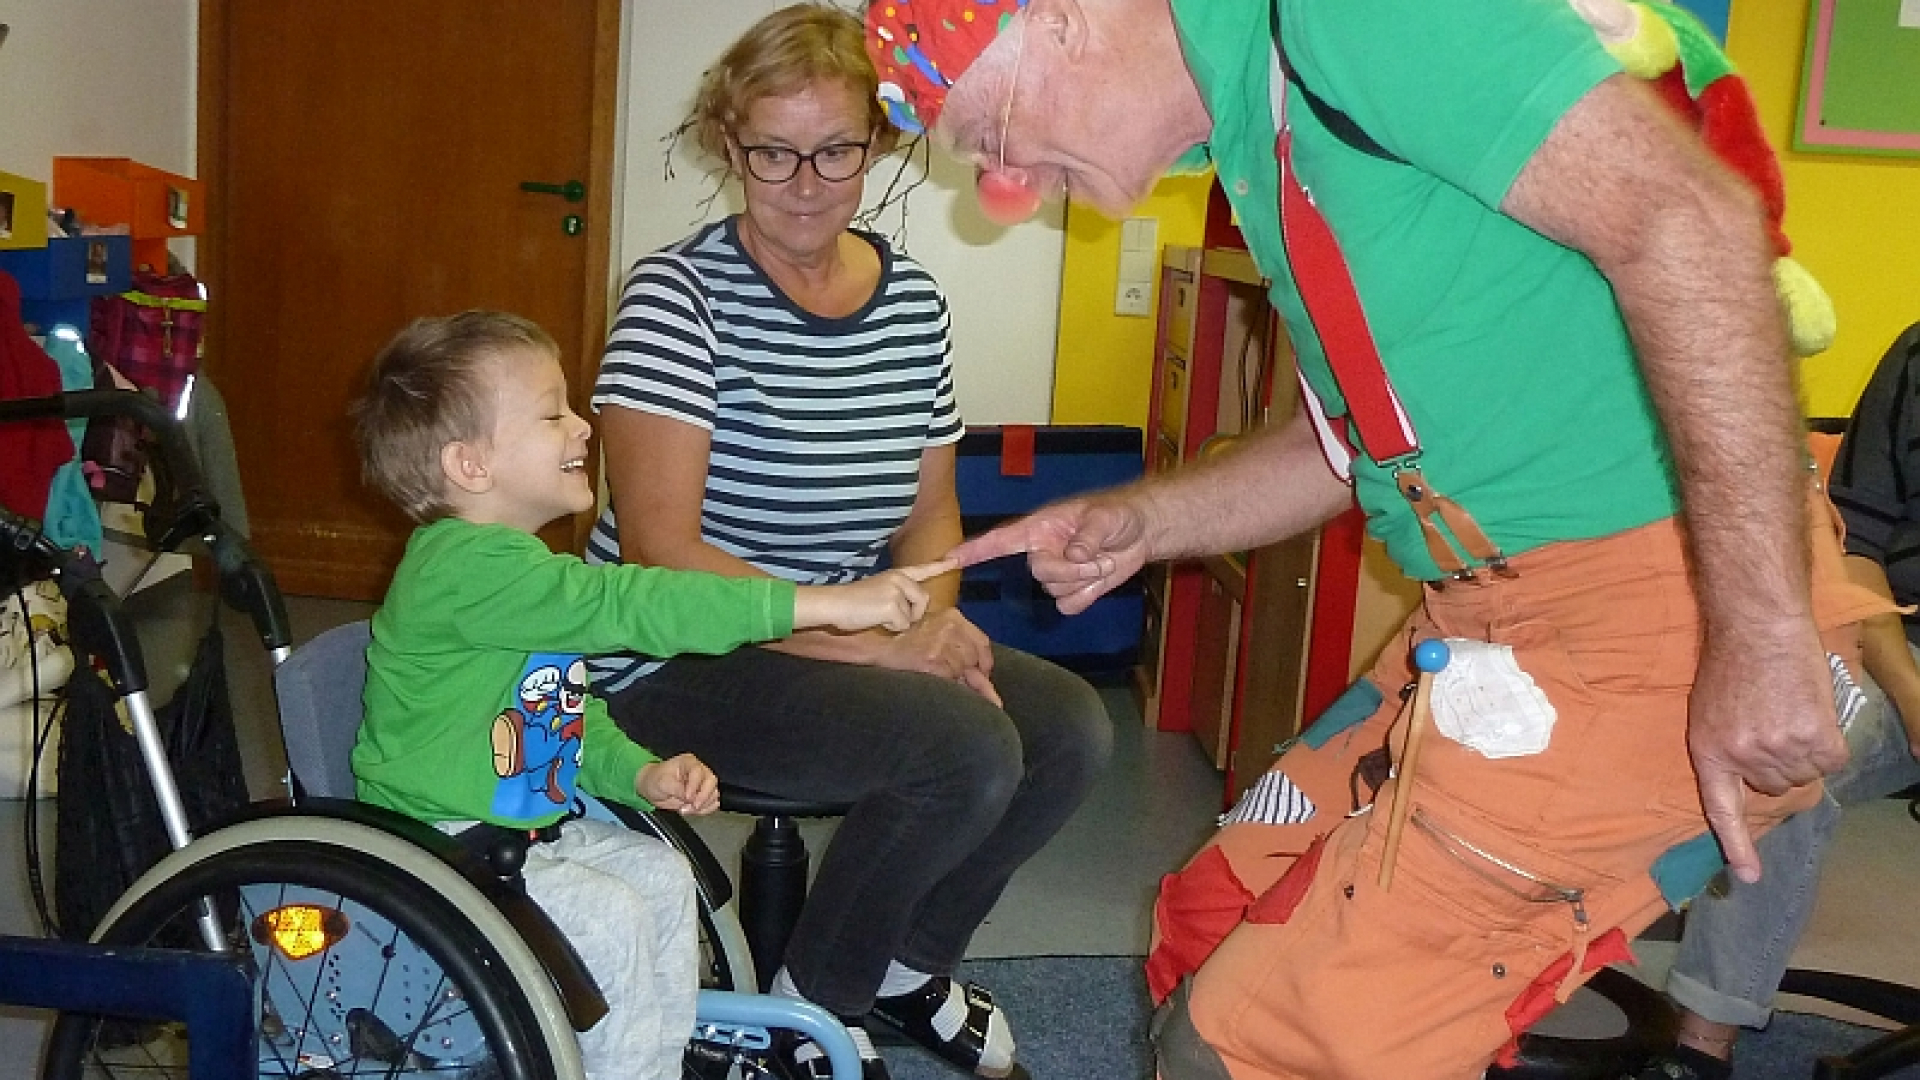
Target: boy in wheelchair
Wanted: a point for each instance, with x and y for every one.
(478, 720)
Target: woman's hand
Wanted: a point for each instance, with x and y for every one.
(682, 783)
(947, 646)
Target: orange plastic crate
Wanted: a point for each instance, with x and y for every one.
(154, 204)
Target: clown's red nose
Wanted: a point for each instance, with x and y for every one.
(1005, 200)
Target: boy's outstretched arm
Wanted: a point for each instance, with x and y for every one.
(894, 599)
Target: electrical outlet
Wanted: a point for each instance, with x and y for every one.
(1133, 298)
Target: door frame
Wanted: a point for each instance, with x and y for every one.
(211, 148)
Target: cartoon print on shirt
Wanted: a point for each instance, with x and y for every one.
(537, 737)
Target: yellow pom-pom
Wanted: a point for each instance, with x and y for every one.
(1811, 322)
(1652, 50)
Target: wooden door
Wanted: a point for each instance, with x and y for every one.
(363, 162)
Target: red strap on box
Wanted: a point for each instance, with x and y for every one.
(1016, 450)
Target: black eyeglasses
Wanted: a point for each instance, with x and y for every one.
(833, 162)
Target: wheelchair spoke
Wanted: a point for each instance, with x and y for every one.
(375, 1002)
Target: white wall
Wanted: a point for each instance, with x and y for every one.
(1003, 285)
(116, 78)
(99, 78)
(105, 78)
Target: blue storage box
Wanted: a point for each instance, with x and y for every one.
(76, 312)
(1002, 473)
(72, 267)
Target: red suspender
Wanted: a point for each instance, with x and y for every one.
(1333, 305)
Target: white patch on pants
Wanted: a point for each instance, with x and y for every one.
(1484, 702)
(1272, 800)
(625, 901)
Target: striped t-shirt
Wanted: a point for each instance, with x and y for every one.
(817, 424)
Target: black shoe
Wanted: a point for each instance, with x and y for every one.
(1682, 1063)
(913, 1012)
(796, 1057)
(709, 1061)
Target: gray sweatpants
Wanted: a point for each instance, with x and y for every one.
(625, 901)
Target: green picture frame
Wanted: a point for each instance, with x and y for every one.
(1858, 90)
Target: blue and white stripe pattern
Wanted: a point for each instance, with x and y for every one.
(1272, 800)
(818, 425)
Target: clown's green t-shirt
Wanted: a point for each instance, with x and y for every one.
(1506, 348)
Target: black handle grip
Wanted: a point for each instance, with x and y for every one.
(245, 581)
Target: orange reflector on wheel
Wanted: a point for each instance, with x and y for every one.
(300, 930)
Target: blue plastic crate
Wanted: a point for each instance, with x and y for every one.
(72, 267)
(1001, 597)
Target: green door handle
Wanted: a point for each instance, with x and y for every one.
(572, 190)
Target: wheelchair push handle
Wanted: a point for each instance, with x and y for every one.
(245, 582)
(94, 620)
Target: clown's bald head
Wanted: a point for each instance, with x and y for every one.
(1042, 96)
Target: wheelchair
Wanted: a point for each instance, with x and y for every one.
(375, 943)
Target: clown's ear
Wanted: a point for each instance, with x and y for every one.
(1060, 24)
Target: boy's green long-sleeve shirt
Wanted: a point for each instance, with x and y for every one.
(476, 699)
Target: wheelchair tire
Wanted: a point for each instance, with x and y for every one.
(454, 990)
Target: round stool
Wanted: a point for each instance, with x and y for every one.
(773, 870)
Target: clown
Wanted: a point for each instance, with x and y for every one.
(1519, 285)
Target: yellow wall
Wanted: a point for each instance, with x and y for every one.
(1854, 219)
(1104, 362)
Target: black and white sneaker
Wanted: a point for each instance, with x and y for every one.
(957, 1021)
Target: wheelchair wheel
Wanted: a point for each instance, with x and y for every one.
(369, 955)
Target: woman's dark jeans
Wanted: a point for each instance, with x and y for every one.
(950, 794)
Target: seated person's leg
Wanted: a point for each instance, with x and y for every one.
(1737, 944)
(1738, 937)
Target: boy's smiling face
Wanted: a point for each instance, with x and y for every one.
(536, 460)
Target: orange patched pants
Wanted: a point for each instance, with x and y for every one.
(1515, 877)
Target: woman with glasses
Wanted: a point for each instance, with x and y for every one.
(777, 398)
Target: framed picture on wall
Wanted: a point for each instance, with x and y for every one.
(1858, 93)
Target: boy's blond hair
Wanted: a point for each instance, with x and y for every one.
(429, 388)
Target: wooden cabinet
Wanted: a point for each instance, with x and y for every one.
(1241, 647)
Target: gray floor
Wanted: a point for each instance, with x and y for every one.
(1088, 893)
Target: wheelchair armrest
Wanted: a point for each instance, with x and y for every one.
(673, 830)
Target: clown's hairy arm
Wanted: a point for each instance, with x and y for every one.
(1683, 245)
(1273, 485)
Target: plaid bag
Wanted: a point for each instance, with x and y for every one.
(151, 336)
(151, 333)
